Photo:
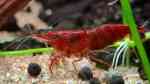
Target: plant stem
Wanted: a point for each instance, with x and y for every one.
(127, 12)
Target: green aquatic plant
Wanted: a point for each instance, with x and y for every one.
(28, 52)
(128, 19)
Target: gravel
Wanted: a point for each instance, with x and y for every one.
(14, 71)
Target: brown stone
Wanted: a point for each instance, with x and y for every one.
(9, 8)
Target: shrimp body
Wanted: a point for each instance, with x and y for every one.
(75, 42)
(70, 41)
(105, 35)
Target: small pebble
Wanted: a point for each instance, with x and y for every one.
(8, 74)
(116, 80)
(34, 69)
(85, 73)
(142, 74)
(94, 81)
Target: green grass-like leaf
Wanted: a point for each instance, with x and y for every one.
(128, 19)
(28, 52)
